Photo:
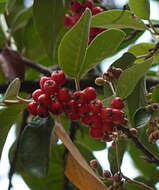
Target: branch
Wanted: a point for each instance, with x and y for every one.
(138, 144)
(131, 36)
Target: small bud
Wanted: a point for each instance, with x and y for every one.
(134, 131)
(149, 108)
(150, 130)
(125, 121)
(99, 81)
(107, 77)
(94, 164)
(107, 174)
(117, 72)
(117, 178)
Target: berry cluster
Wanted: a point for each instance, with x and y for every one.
(80, 105)
(76, 11)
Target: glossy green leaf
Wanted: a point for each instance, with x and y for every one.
(12, 90)
(142, 117)
(125, 61)
(144, 49)
(122, 146)
(141, 8)
(35, 146)
(107, 90)
(8, 116)
(73, 46)
(117, 19)
(10, 4)
(155, 95)
(130, 77)
(49, 18)
(102, 46)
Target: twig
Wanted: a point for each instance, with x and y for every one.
(153, 28)
(131, 36)
(139, 145)
(15, 153)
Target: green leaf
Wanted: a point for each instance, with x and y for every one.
(34, 147)
(142, 117)
(12, 90)
(141, 8)
(117, 19)
(103, 46)
(129, 78)
(8, 116)
(143, 49)
(2, 7)
(155, 95)
(122, 146)
(107, 90)
(21, 19)
(73, 46)
(10, 4)
(125, 61)
(49, 18)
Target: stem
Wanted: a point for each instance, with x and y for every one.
(21, 100)
(142, 56)
(112, 88)
(77, 84)
(153, 28)
(117, 154)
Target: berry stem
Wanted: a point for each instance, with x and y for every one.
(117, 152)
(112, 88)
(21, 100)
(77, 84)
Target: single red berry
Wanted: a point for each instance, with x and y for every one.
(94, 164)
(107, 127)
(88, 4)
(69, 21)
(118, 116)
(70, 106)
(32, 108)
(44, 100)
(43, 80)
(96, 10)
(86, 120)
(36, 94)
(96, 120)
(75, 7)
(79, 97)
(83, 109)
(42, 111)
(95, 106)
(90, 93)
(107, 114)
(64, 95)
(56, 107)
(50, 87)
(117, 103)
(74, 116)
(96, 133)
(59, 77)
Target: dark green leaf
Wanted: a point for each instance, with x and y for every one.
(49, 18)
(130, 77)
(155, 95)
(142, 117)
(8, 116)
(140, 8)
(12, 90)
(2, 7)
(73, 46)
(10, 4)
(99, 48)
(122, 146)
(117, 19)
(35, 146)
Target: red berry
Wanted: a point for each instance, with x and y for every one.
(59, 77)
(64, 95)
(96, 120)
(107, 127)
(69, 21)
(96, 133)
(43, 80)
(44, 100)
(96, 10)
(107, 114)
(90, 93)
(86, 120)
(94, 164)
(117, 103)
(56, 107)
(50, 87)
(95, 106)
(36, 94)
(32, 108)
(83, 109)
(118, 116)
(70, 106)
(75, 7)
(42, 111)
(74, 116)
(88, 4)
(79, 97)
